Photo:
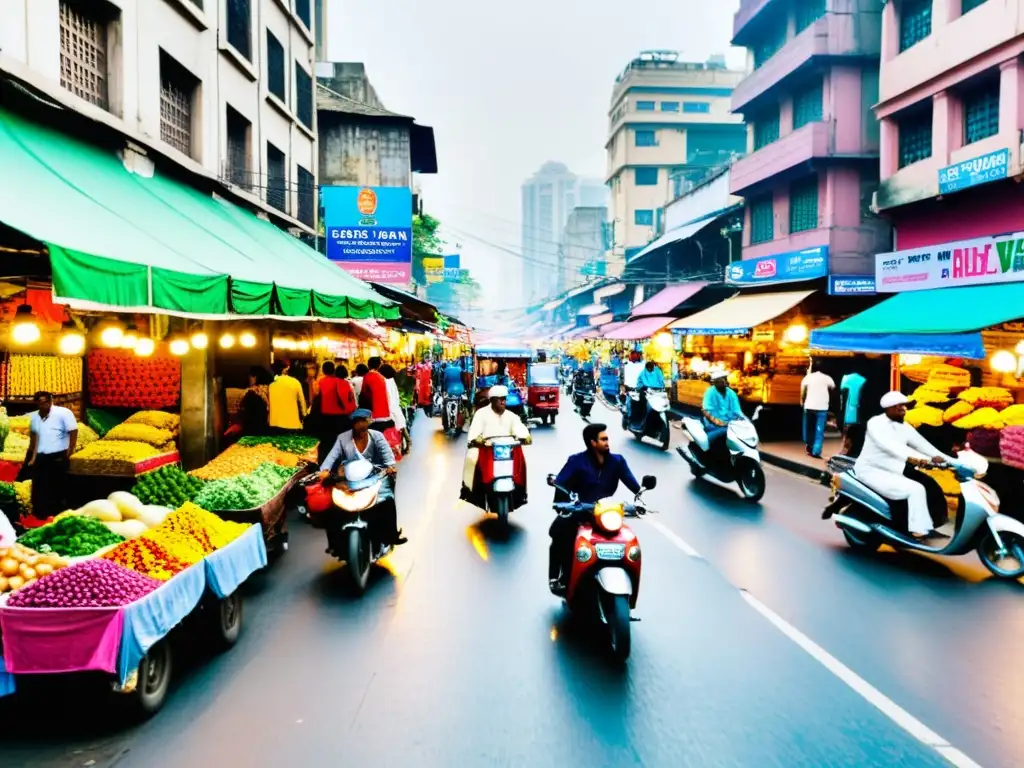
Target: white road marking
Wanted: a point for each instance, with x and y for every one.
(671, 536)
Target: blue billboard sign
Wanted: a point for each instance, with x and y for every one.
(369, 231)
(452, 268)
(808, 264)
(978, 170)
(851, 285)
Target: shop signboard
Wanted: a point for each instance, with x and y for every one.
(442, 269)
(978, 170)
(808, 264)
(982, 260)
(369, 231)
(851, 285)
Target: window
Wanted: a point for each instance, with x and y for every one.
(302, 11)
(807, 105)
(700, 107)
(803, 205)
(239, 17)
(83, 52)
(645, 177)
(303, 96)
(807, 12)
(981, 111)
(239, 133)
(670, 106)
(771, 42)
(177, 90)
(643, 218)
(915, 22)
(915, 131)
(645, 106)
(868, 187)
(970, 5)
(766, 130)
(307, 197)
(762, 221)
(275, 67)
(277, 179)
(645, 138)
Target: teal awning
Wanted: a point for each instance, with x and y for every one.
(938, 321)
(122, 241)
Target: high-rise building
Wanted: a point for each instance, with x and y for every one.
(582, 246)
(669, 120)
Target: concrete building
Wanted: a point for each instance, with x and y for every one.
(812, 160)
(582, 245)
(951, 109)
(223, 88)
(668, 118)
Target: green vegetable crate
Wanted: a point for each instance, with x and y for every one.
(271, 515)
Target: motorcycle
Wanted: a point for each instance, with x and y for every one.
(654, 422)
(453, 414)
(743, 464)
(583, 400)
(869, 520)
(496, 466)
(605, 573)
(336, 505)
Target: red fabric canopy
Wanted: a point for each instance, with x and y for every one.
(643, 328)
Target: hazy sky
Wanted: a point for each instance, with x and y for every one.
(507, 87)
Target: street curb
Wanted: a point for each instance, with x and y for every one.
(822, 476)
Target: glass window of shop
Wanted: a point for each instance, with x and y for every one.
(762, 220)
(807, 105)
(915, 22)
(915, 131)
(803, 205)
(981, 110)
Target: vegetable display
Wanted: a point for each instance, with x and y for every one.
(70, 536)
(146, 556)
(102, 421)
(209, 530)
(245, 491)
(168, 486)
(21, 566)
(161, 439)
(297, 444)
(111, 457)
(121, 379)
(89, 584)
(28, 374)
(241, 459)
(5, 427)
(15, 448)
(158, 419)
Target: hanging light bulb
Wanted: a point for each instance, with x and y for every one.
(25, 329)
(110, 335)
(145, 347)
(130, 338)
(304, 345)
(71, 341)
(200, 340)
(247, 340)
(227, 341)
(1003, 361)
(179, 346)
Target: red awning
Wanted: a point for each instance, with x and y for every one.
(667, 299)
(643, 328)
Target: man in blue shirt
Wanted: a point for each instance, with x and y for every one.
(53, 435)
(453, 386)
(593, 475)
(720, 406)
(650, 377)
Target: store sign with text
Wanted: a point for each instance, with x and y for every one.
(808, 264)
(369, 231)
(442, 269)
(978, 170)
(851, 285)
(980, 261)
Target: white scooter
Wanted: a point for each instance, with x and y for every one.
(653, 422)
(868, 520)
(743, 466)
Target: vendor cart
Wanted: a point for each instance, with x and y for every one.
(272, 516)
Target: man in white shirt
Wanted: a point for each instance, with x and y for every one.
(889, 446)
(53, 435)
(494, 420)
(815, 392)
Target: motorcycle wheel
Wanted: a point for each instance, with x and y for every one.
(501, 507)
(1008, 563)
(357, 550)
(616, 613)
(751, 481)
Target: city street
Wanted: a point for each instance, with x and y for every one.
(762, 641)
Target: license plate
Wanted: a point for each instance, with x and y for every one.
(502, 452)
(610, 551)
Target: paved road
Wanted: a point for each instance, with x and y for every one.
(458, 655)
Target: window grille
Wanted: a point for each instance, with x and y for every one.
(766, 130)
(307, 197)
(303, 96)
(981, 112)
(238, 149)
(807, 106)
(275, 67)
(176, 91)
(915, 142)
(807, 12)
(762, 221)
(83, 53)
(277, 179)
(803, 205)
(915, 22)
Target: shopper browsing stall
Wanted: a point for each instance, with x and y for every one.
(287, 402)
(53, 434)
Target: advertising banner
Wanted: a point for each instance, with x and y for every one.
(442, 269)
(965, 262)
(851, 285)
(978, 170)
(369, 231)
(808, 264)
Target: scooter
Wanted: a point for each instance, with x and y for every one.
(452, 414)
(654, 423)
(744, 461)
(605, 577)
(868, 520)
(583, 400)
(337, 504)
(496, 464)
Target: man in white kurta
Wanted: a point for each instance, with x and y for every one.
(888, 446)
(493, 421)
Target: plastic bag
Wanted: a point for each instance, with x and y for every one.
(7, 535)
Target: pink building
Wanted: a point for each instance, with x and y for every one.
(813, 140)
(951, 112)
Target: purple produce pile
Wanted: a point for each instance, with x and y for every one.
(89, 584)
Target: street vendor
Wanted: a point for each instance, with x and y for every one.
(53, 434)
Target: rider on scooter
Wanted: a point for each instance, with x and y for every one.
(592, 475)
(650, 377)
(583, 379)
(720, 406)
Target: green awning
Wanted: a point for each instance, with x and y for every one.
(120, 240)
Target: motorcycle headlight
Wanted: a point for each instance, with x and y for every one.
(356, 501)
(610, 521)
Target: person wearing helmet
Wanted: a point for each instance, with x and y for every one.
(494, 420)
(720, 406)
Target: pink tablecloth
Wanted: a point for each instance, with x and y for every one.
(55, 640)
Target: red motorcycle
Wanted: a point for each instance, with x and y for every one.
(605, 575)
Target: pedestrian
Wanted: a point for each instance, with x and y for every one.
(336, 403)
(357, 380)
(287, 401)
(815, 392)
(53, 434)
(373, 396)
(397, 413)
(255, 405)
(850, 390)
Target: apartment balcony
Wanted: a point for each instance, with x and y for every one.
(814, 140)
(851, 250)
(833, 35)
(741, 22)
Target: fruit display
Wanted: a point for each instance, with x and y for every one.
(242, 459)
(111, 457)
(20, 424)
(5, 427)
(121, 379)
(206, 528)
(21, 566)
(71, 536)
(142, 433)
(28, 374)
(15, 448)
(148, 557)
(168, 486)
(245, 491)
(89, 584)
(297, 444)
(159, 419)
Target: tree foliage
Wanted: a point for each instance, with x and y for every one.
(425, 238)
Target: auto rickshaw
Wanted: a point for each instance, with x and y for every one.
(542, 392)
(503, 363)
